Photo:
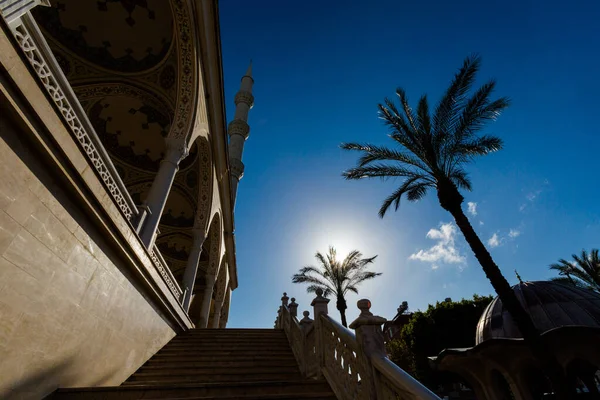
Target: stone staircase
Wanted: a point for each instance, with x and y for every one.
(215, 364)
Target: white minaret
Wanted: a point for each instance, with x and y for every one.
(239, 130)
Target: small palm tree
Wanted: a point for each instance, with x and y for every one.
(432, 151)
(335, 277)
(583, 271)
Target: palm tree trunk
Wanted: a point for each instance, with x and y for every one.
(509, 300)
(341, 306)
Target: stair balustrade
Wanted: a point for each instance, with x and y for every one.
(355, 365)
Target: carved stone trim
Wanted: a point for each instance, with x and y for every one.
(215, 246)
(11, 10)
(165, 272)
(188, 74)
(28, 37)
(236, 167)
(205, 194)
(239, 127)
(244, 97)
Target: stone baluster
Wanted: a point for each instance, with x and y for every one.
(305, 323)
(319, 305)
(369, 337)
(191, 269)
(161, 187)
(293, 307)
(284, 299)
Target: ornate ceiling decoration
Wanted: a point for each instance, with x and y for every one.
(119, 35)
(133, 66)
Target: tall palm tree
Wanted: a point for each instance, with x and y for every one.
(336, 277)
(432, 151)
(583, 271)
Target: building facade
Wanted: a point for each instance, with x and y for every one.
(118, 178)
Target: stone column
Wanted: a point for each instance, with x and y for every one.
(225, 310)
(216, 314)
(222, 287)
(205, 311)
(191, 269)
(159, 192)
(370, 341)
(319, 304)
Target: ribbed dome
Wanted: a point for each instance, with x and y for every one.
(550, 305)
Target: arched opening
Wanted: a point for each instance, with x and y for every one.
(584, 377)
(501, 386)
(536, 383)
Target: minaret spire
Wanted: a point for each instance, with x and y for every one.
(239, 129)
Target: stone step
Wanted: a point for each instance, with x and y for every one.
(226, 333)
(207, 371)
(231, 376)
(233, 362)
(232, 343)
(227, 341)
(295, 389)
(223, 352)
(228, 357)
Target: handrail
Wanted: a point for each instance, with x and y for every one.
(344, 333)
(355, 366)
(397, 383)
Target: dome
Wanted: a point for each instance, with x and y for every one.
(550, 305)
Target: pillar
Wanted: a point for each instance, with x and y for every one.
(319, 305)
(207, 298)
(225, 311)
(176, 151)
(219, 300)
(191, 269)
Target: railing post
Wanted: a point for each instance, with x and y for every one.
(370, 342)
(305, 323)
(293, 307)
(319, 304)
(284, 299)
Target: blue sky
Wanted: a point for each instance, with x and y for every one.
(320, 68)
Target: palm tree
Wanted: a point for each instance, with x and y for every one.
(432, 151)
(583, 271)
(335, 277)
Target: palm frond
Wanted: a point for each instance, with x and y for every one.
(383, 171)
(423, 118)
(410, 117)
(478, 111)
(446, 112)
(460, 178)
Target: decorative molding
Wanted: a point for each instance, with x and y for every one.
(11, 10)
(239, 127)
(188, 73)
(215, 245)
(204, 185)
(236, 168)
(49, 73)
(165, 272)
(104, 89)
(245, 97)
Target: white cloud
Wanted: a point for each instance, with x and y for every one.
(444, 250)
(480, 222)
(472, 208)
(494, 241)
(513, 233)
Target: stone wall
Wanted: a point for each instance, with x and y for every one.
(69, 315)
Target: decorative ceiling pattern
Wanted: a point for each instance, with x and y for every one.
(120, 35)
(132, 65)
